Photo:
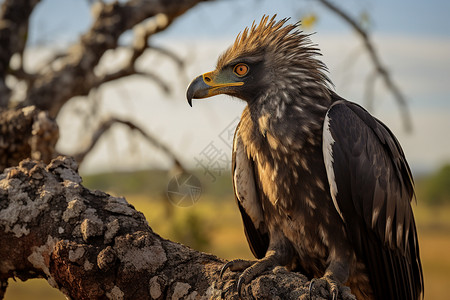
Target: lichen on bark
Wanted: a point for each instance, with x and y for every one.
(91, 245)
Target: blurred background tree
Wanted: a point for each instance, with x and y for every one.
(93, 75)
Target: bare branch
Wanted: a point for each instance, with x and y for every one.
(179, 62)
(76, 76)
(143, 31)
(106, 125)
(140, 44)
(49, 62)
(370, 89)
(21, 74)
(379, 67)
(128, 71)
(164, 86)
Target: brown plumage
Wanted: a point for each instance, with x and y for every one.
(323, 187)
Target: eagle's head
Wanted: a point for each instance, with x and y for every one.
(272, 61)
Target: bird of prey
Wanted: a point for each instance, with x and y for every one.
(323, 187)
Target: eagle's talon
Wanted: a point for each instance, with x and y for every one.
(250, 269)
(236, 265)
(333, 286)
(224, 268)
(335, 294)
(311, 284)
(239, 286)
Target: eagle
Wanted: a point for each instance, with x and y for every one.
(323, 187)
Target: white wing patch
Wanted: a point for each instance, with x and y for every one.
(244, 183)
(327, 149)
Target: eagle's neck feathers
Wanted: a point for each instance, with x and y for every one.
(288, 116)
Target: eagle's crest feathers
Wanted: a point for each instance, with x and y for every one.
(287, 52)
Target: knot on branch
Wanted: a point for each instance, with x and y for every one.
(26, 132)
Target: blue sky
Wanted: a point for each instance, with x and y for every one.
(404, 17)
(54, 19)
(412, 38)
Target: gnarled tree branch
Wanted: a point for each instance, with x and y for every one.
(76, 75)
(91, 245)
(106, 125)
(25, 133)
(180, 62)
(140, 44)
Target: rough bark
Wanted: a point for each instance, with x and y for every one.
(91, 245)
(26, 133)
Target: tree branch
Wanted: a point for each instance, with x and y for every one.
(21, 74)
(370, 89)
(106, 125)
(379, 67)
(91, 245)
(14, 17)
(24, 133)
(76, 76)
(142, 33)
(156, 79)
(179, 62)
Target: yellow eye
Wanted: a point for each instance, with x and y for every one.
(241, 70)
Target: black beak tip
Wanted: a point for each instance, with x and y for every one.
(189, 96)
(197, 89)
(190, 92)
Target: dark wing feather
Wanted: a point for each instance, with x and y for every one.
(248, 198)
(372, 187)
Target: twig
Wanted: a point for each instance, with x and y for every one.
(380, 69)
(164, 86)
(142, 32)
(21, 74)
(106, 125)
(370, 89)
(129, 71)
(178, 61)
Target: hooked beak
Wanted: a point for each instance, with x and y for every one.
(210, 84)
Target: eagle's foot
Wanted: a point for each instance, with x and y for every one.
(327, 282)
(251, 269)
